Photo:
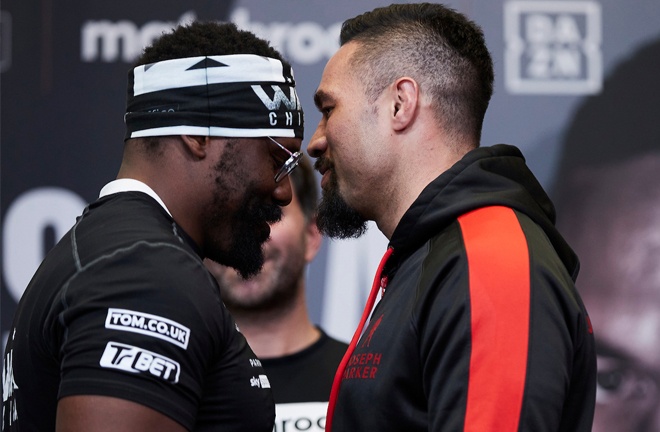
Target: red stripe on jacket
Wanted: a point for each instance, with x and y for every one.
(499, 283)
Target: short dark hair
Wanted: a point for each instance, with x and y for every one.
(441, 49)
(201, 38)
(303, 182)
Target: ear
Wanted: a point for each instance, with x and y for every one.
(314, 240)
(405, 92)
(196, 145)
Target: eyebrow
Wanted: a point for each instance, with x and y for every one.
(319, 97)
(607, 350)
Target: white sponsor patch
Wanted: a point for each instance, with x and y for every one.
(300, 416)
(261, 381)
(264, 381)
(147, 324)
(138, 360)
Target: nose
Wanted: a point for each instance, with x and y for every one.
(283, 193)
(318, 144)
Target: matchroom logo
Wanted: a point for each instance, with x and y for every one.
(553, 47)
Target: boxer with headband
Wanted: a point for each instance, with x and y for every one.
(123, 328)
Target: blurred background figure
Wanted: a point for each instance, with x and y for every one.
(614, 225)
(608, 197)
(271, 311)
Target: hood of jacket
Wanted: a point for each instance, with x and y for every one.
(486, 176)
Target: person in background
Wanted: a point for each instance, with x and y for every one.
(122, 328)
(480, 326)
(607, 192)
(270, 309)
(611, 214)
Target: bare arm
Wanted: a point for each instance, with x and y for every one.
(104, 414)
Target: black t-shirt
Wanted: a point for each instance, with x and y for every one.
(124, 307)
(301, 384)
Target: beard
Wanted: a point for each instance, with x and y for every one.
(247, 228)
(246, 250)
(336, 218)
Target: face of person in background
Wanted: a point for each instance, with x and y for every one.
(617, 238)
(293, 243)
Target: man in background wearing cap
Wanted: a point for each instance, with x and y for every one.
(122, 327)
(271, 310)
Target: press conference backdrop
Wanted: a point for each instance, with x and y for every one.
(63, 77)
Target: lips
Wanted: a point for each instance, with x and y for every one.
(325, 180)
(324, 167)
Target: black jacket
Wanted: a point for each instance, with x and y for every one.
(480, 327)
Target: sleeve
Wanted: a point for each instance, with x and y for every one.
(143, 325)
(498, 349)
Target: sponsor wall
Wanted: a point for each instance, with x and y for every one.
(63, 75)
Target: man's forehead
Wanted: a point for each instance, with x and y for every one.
(339, 64)
(337, 73)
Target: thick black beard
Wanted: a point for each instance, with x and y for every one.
(247, 255)
(336, 218)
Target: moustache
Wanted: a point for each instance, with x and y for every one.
(269, 213)
(323, 164)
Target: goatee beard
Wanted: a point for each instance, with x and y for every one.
(336, 218)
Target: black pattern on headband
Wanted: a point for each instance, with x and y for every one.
(230, 96)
